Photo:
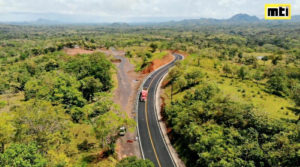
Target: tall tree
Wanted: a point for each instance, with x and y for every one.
(134, 162)
(296, 94)
(7, 130)
(227, 69)
(277, 84)
(56, 87)
(153, 46)
(22, 155)
(39, 121)
(107, 127)
(90, 86)
(265, 58)
(243, 72)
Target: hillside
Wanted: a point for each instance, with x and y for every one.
(243, 18)
(226, 106)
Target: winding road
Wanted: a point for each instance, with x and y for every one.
(152, 143)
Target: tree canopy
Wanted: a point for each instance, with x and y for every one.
(134, 162)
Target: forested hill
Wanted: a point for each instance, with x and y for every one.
(234, 20)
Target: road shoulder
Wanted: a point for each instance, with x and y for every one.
(163, 127)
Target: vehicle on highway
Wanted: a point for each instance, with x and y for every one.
(122, 131)
(143, 95)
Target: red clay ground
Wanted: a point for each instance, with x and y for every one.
(155, 64)
(75, 51)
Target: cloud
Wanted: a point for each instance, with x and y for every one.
(124, 9)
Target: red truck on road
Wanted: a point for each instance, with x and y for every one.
(143, 95)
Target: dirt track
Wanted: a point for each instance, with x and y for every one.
(75, 51)
(125, 95)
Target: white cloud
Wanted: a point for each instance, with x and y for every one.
(117, 9)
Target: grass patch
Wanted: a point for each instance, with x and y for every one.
(244, 91)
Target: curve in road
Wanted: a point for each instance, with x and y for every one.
(153, 146)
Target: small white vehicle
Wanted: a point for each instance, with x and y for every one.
(122, 131)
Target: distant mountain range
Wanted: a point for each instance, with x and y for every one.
(243, 18)
(236, 19)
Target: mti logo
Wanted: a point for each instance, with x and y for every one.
(277, 11)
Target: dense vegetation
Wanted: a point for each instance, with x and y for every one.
(234, 101)
(56, 109)
(221, 132)
(134, 162)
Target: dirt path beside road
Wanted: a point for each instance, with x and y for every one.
(125, 95)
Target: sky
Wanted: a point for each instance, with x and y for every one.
(132, 10)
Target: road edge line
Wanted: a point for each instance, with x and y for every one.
(156, 114)
(137, 103)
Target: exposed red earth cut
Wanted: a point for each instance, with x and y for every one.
(155, 64)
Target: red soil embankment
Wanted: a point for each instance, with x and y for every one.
(155, 64)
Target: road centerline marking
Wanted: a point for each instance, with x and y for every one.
(146, 114)
(147, 121)
(151, 140)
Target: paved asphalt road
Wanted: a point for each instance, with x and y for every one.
(152, 142)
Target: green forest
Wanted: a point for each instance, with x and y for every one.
(237, 101)
(233, 101)
(56, 109)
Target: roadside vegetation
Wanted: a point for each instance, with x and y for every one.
(236, 101)
(56, 109)
(233, 101)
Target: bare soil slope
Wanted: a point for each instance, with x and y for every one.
(155, 64)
